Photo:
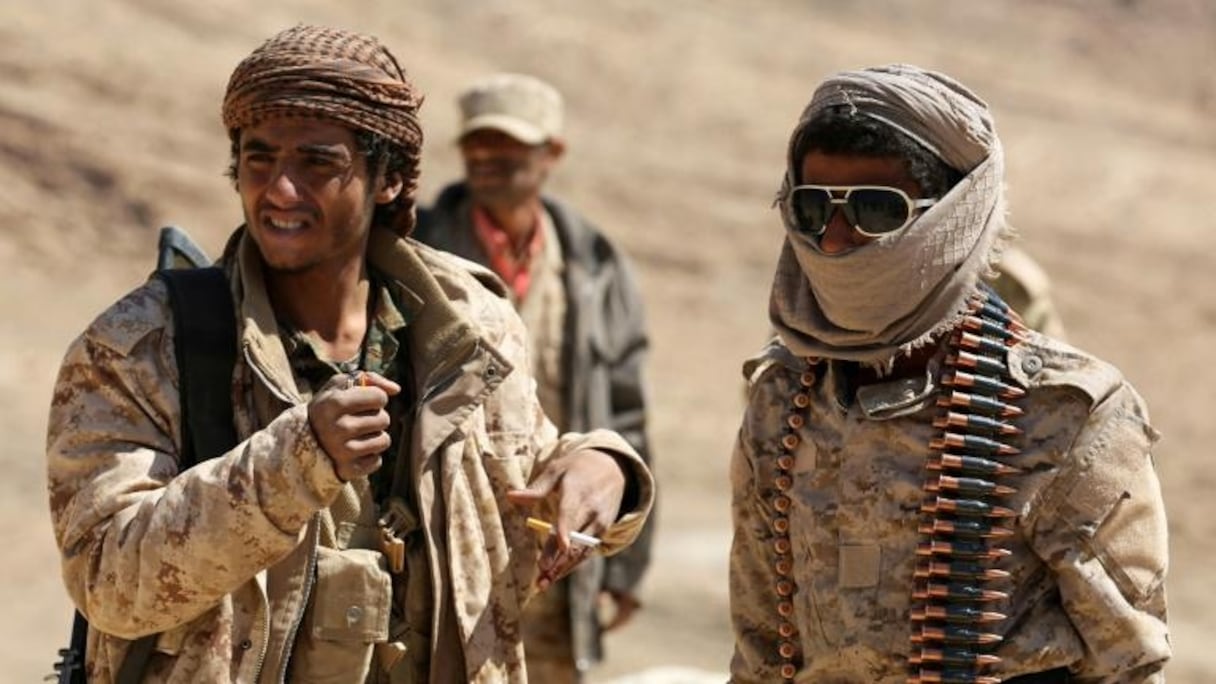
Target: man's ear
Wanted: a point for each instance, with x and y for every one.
(391, 184)
(557, 147)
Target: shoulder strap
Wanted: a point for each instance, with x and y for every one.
(204, 325)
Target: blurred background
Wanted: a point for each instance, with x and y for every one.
(678, 114)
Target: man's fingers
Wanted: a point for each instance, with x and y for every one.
(537, 490)
(363, 423)
(368, 379)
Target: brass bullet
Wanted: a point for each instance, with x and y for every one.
(964, 571)
(982, 364)
(957, 591)
(980, 446)
(955, 614)
(972, 465)
(976, 424)
(982, 384)
(954, 635)
(964, 550)
(966, 528)
(980, 404)
(968, 486)
(953, 656)
(967, 507)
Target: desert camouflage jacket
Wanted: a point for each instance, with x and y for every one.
(1089, 554)
(605, 346)
(223, 560)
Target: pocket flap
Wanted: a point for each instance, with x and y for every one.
(353, 595)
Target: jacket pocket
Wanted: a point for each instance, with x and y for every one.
(348, 613)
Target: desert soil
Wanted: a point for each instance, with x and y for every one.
(678, 118)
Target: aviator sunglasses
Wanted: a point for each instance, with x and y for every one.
(873, 210)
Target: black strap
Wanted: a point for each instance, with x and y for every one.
(204, 325)
(205, 338)
(70, 668)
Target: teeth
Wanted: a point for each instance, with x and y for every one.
(285, 225)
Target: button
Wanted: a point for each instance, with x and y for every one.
(1032, 364)
(353, 615)
(491, 372)
(246, 645)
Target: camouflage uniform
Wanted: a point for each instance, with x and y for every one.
(255, 565)
(588, 364)
(1088, 556)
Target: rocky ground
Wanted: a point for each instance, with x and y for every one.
(678, 117)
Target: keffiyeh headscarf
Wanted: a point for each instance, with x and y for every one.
(321, 72)
(900, 291)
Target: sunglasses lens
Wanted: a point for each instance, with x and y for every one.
(878, 211)
(810, 208)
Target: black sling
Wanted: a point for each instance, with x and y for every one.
(204, 333)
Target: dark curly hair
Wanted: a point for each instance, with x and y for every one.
(378, 151)
(841, 130)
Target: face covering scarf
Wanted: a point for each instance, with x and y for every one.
(899, 292)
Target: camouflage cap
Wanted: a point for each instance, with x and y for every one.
(524, 107)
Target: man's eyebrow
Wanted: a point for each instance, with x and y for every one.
(257, 145)
(335, 150)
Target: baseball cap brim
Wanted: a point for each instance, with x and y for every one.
(512, 126)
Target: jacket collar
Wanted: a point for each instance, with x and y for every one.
(442, 338)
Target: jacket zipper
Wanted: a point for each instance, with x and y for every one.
(309, 580)
(257, 672)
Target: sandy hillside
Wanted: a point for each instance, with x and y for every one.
(679, 112)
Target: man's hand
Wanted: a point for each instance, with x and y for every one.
(349, 420)
(625, 604)
(585, 487)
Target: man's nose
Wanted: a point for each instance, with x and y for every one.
(283, 189)
(839, 235)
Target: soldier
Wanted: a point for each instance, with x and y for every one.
(577, 295)
(370, 524)
(924, 489)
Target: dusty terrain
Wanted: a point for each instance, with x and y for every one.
(679, 113)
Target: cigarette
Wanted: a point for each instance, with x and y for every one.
(575, 537)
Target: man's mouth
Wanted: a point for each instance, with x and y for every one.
(285, 224)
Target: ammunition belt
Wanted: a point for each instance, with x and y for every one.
(783, 565)
(964, 525)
